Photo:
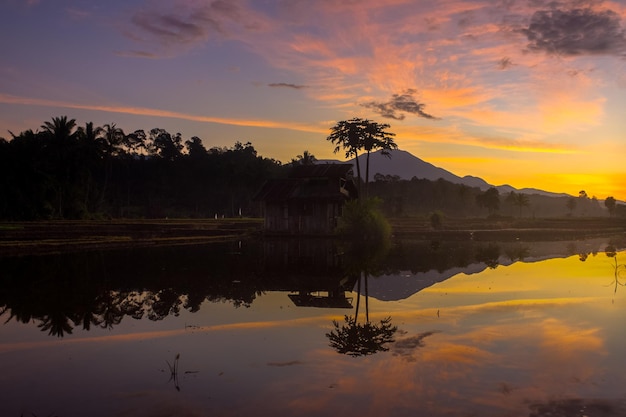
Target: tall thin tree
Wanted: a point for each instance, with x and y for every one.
(347, 135)
(376, 137)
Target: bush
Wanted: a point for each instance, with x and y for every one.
(363, 220)
(436, 219)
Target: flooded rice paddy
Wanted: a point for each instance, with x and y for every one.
(316, 328)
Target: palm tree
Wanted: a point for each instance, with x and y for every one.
(356, 135)
(376, 137)
(307, 158)
(111, 139)
(91, 157)
(347, 135)
(60, 132)
(61, 129)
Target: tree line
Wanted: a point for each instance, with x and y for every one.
(66, 171)
(419, 196)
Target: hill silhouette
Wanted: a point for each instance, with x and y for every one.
(406, 166)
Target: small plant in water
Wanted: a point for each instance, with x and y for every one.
(617, 269)
(174, 371)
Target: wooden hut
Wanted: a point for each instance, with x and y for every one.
(309, 201)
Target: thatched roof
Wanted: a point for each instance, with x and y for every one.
(306, 182)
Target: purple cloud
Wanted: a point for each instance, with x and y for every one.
(576, 32)
(398, 105)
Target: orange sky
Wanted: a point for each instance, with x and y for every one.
(506, 91)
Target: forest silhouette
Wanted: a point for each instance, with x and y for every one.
(66, 171)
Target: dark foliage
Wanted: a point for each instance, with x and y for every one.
(66, 171)
(70, 172)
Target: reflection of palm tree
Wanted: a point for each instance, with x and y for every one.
(56, 324)
(356, 339)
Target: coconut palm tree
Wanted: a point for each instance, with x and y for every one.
(375, 137)
(91, 156)
(61, 134)
(347, 135)
(307, 158)
(111, 140)
(361, 135)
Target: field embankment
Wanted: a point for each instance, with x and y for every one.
(510, 229)
(48, 237)
(68, 236)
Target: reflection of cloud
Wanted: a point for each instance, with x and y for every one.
(398, 105)
(498, 367)
(8, 347)
(562, 343)
(282, 364)
(576, 32)
(405, 346)
(457, 352)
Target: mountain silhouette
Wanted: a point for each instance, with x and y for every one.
(406, 166)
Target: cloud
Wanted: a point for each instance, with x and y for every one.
(169, 28)
(505, 63)
(193, 23)
(398, 105)
(576, 32)
(78, 13)
(137, 54)
(287, 85)
(143, 111)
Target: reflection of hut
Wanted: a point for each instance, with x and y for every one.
(309, 201)
(310, 269)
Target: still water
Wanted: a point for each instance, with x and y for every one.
(317, 329)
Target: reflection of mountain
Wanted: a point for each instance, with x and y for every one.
(403, 285)
(438, 261)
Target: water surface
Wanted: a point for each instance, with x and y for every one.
(474, 329)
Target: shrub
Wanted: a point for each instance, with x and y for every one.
(436, 219)
(363, 220)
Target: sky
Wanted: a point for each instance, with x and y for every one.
(529, 93)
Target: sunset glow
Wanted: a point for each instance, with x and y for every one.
(529, 94)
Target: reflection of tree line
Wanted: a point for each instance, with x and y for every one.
(100, 289)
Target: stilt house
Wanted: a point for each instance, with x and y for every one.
(309, 201)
